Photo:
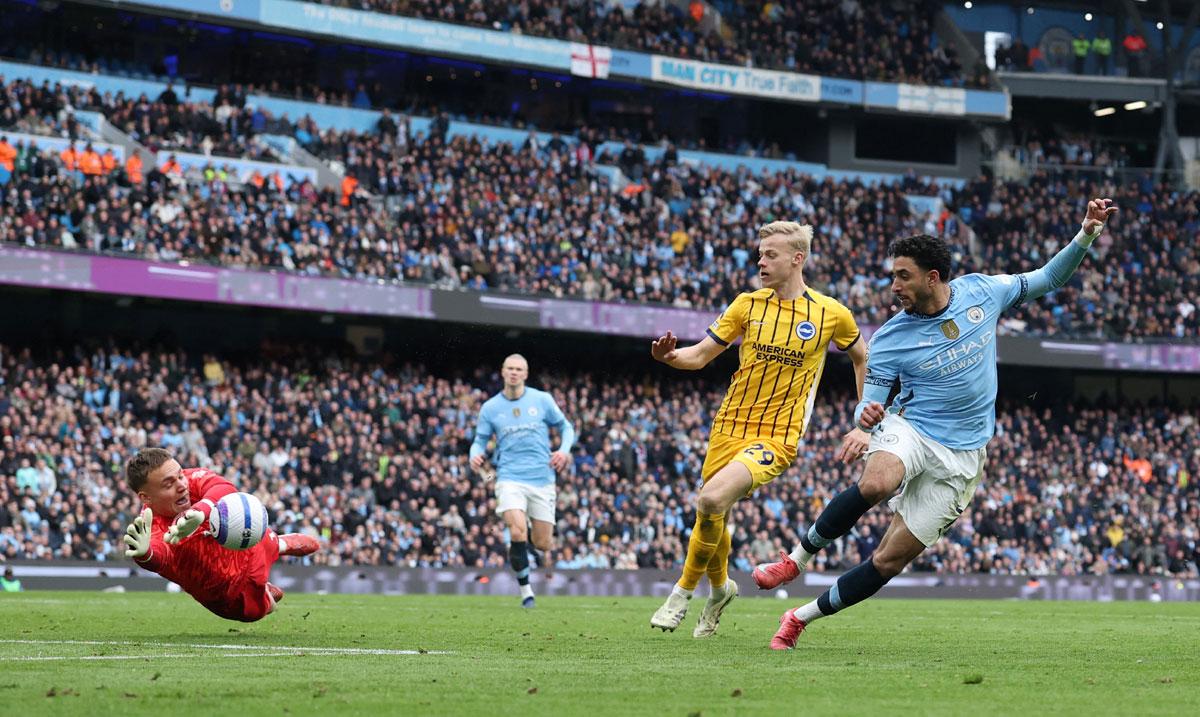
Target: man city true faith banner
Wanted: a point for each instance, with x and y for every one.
(733, 79)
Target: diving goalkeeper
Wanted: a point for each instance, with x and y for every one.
(166, 539)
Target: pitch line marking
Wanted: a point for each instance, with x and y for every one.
(210, 646)
(49, 658)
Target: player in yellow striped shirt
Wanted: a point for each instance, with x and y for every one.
(785, 329)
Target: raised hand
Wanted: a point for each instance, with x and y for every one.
(137, 535)
(1098, 212)
(663, 348)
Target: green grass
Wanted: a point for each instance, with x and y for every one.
(593, 656)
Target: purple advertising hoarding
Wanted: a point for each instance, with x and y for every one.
(109, 275)
(190, 282)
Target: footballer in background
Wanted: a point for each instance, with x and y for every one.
(166, 539)
(519, 418)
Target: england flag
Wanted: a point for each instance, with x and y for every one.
(590, 60)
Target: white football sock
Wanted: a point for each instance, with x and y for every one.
(526, 591)
(800, 556)
(718, 593)
(808, 613)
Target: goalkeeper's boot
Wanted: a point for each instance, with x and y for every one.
(668, 617)
(711, 616)
(790, 628)
(299, 545)
(768, 576)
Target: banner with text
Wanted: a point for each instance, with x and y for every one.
(730, 79)
(591, 61)
(412, 33)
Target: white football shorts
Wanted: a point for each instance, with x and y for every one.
(939, 482)
(537, 501)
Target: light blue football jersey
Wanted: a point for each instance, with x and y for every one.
(946, 363)
(522, 431)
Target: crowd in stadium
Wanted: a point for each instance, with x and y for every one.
(372, 460)
(838, 38)
(537, 219)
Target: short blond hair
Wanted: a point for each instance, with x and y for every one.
(800, 234)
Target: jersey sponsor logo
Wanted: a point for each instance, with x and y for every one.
(532, 426)
(805, 330)
(950, 329)
(533, 410)
(516, 413)
(779, 354)
(957, 358)
(975, 314)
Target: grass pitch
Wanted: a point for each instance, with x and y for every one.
(155, 653)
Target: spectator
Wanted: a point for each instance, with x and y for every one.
(1135, 53)
(1079, 49)
(1102, 49)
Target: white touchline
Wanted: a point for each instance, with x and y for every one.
(202, 645)
(137, 657)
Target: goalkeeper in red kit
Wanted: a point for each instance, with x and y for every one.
(166, 538)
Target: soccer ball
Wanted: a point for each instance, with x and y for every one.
(238, 521)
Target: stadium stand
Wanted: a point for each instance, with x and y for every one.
(331, 444)
(839, 38)
(682, 236)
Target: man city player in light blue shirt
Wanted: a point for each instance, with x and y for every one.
(519, 418)
(931, 442)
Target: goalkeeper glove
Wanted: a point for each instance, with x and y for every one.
(137, 535)
(189, 522)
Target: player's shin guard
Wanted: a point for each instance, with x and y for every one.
(706, 536)
(836, 520)
(518, 559)
(855, 586)
(718, 564)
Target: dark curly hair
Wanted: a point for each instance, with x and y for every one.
(928, 252)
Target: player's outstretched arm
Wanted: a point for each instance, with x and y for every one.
(1062, 265)
(691, 358)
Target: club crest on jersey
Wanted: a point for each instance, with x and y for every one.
(975, 314)
(516, 413)
(950, 329)
(532, 410)
(806, 330)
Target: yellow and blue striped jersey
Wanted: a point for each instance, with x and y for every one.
(784, 344)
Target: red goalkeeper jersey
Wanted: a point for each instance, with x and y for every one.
(204, 568)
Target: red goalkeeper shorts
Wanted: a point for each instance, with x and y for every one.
(249, 600)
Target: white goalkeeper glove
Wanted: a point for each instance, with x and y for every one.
(137, 535)
(189, 522)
